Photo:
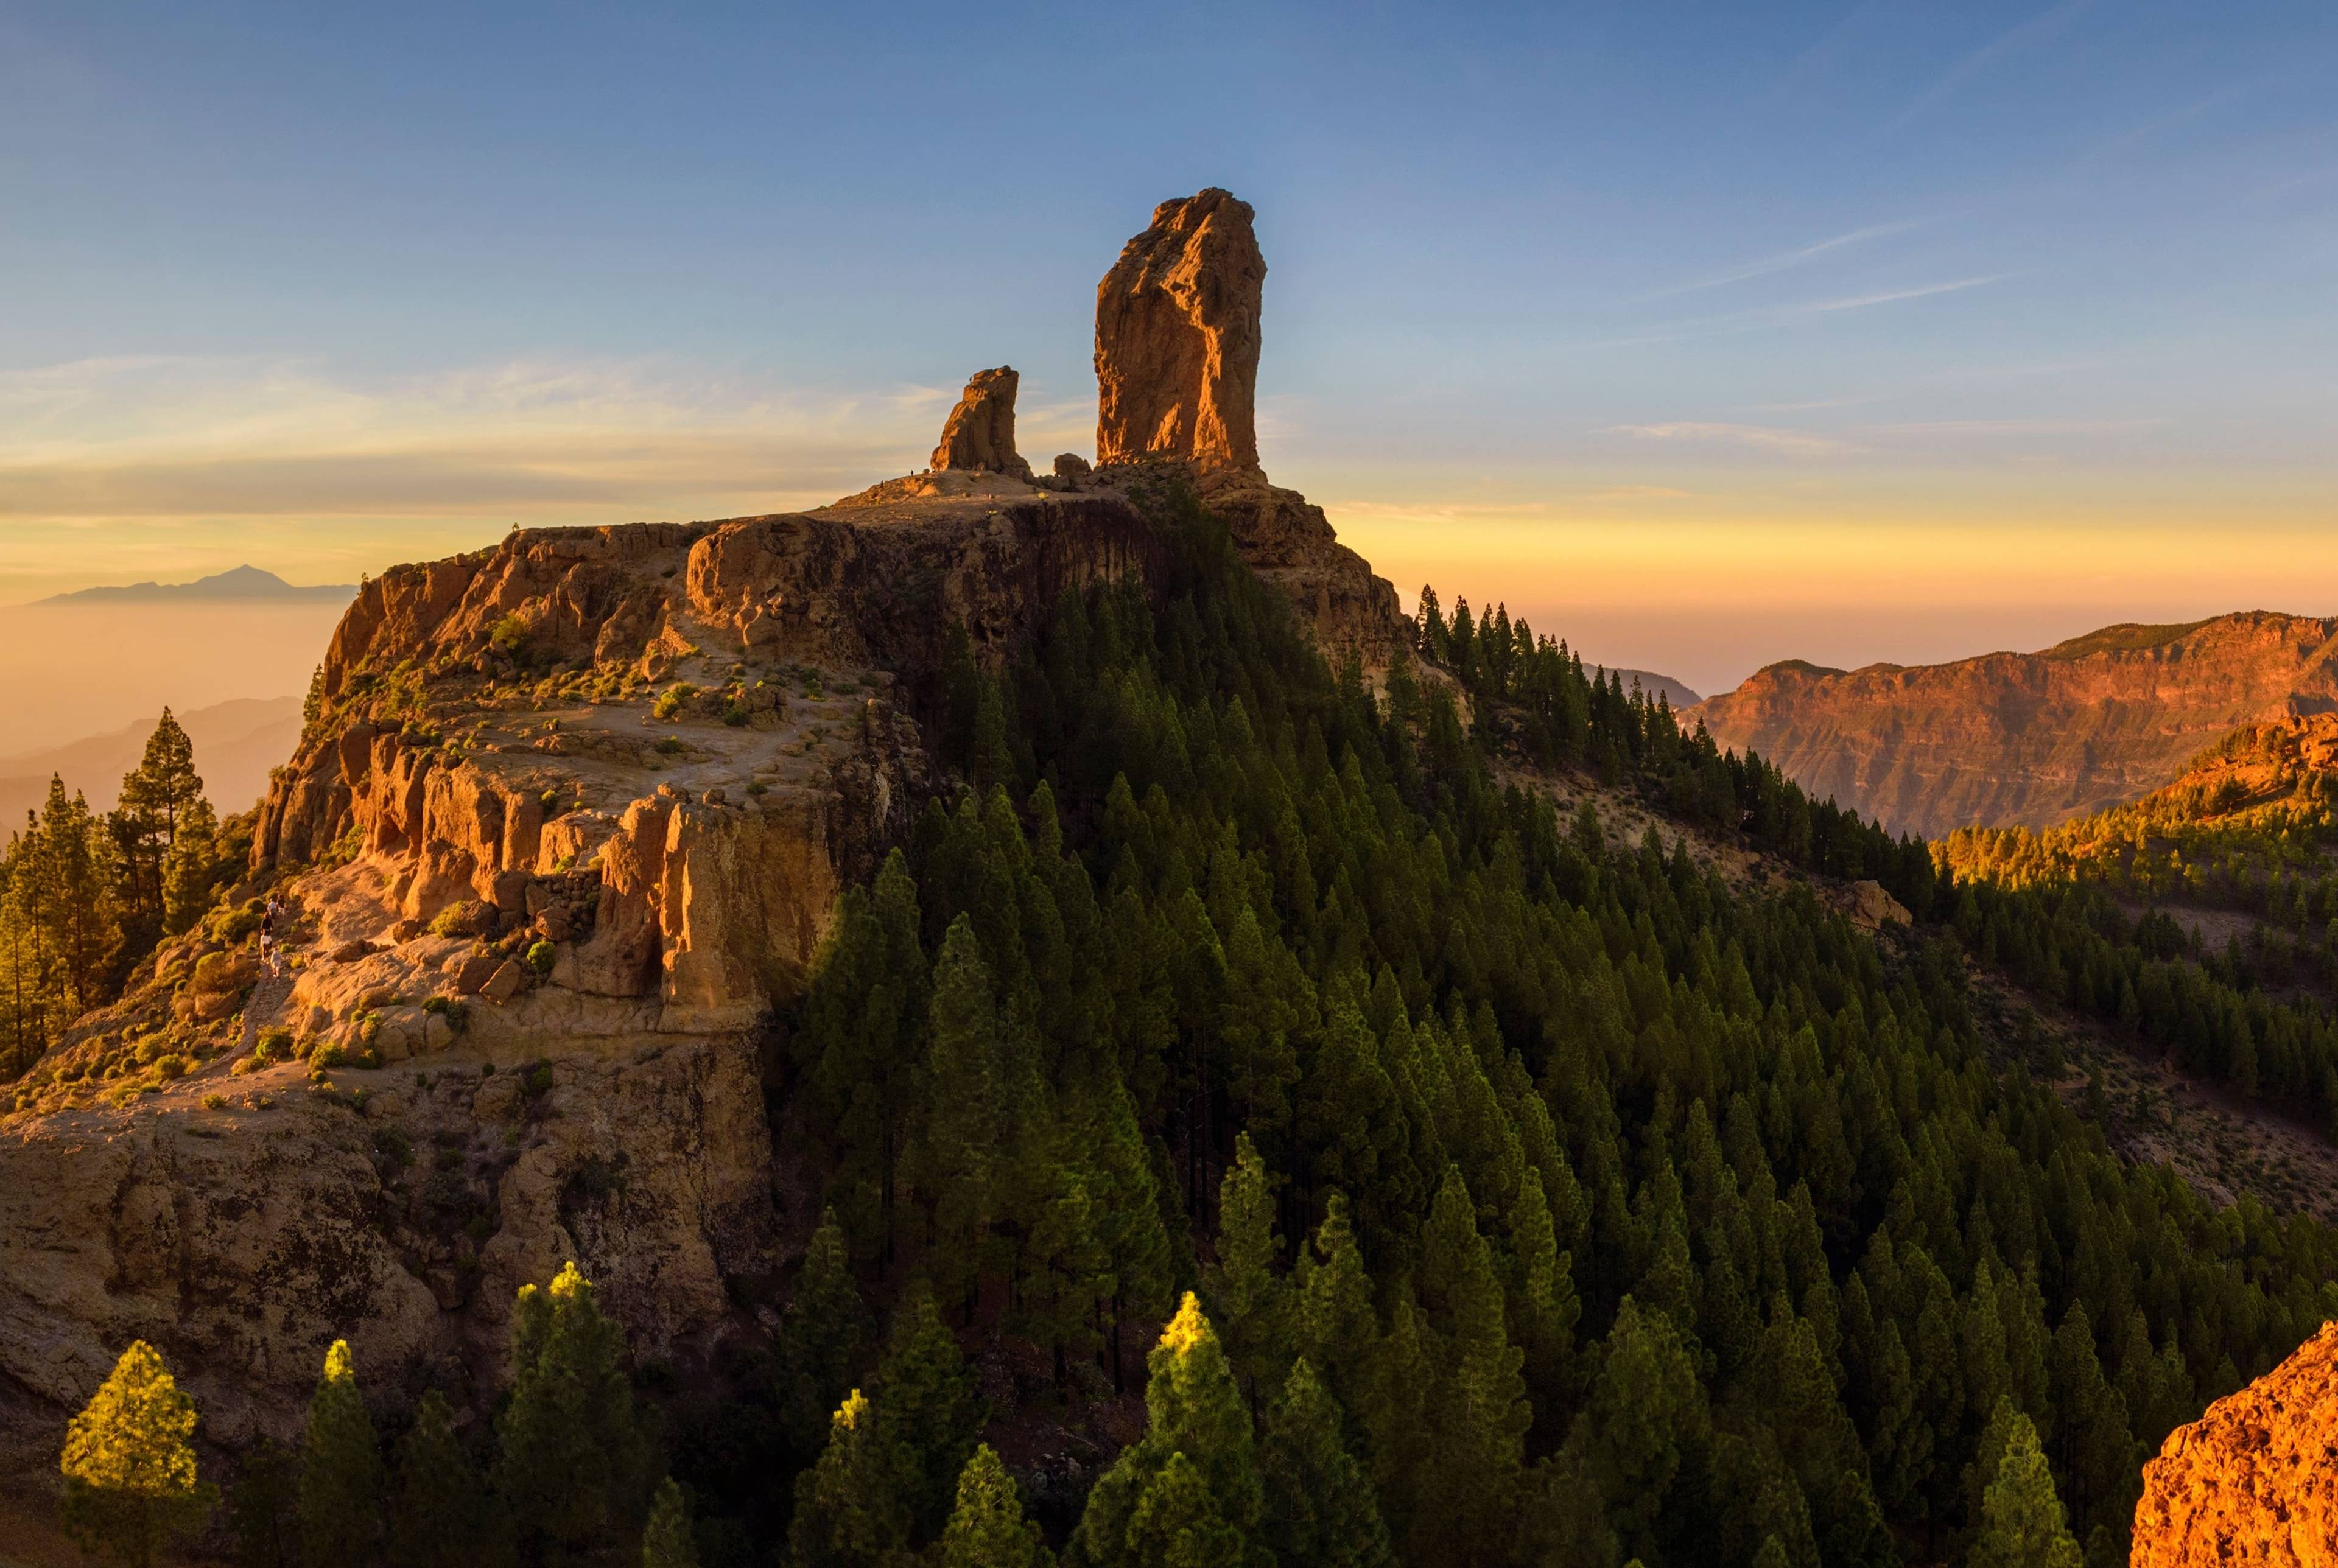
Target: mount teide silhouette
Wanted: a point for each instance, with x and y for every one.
(2028, 737)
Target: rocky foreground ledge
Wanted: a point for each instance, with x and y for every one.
(2254, 1481)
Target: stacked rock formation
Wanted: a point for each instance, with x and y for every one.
(2254, 1481)
(1177, 338)
(980, 431)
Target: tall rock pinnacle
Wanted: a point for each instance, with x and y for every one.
(1176, 343)
(980, 431)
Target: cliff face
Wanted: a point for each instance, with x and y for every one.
(2027, 737)
(2254, 1480)
(567, 833)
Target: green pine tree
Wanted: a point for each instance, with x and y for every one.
(820, 1339)
(131, 1486)
(570, 1470)
(927, 1411)
(341, 1470)
(1320, 1507)
(1250, 1297)
(155, 798)
(852, 1507)
(439, 1514)
(986, 1528)
(263, 1507)
(2021, 1524)
(668, 1541)
(962, 1163)
(1193, 1478)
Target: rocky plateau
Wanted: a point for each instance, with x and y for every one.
(557, 851)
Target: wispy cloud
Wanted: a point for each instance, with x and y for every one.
(151, 439)
(1764, 438)
(1787, 258)
(1892, 296)
(1773, 316)
(2029, 35)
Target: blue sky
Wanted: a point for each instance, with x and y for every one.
(1712, 334)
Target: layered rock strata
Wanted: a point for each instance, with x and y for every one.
(2028, 737)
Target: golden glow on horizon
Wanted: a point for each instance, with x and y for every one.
(117, 470)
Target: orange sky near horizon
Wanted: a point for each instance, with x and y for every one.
(1700, 556)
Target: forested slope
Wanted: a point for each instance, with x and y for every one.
(1613, 1214)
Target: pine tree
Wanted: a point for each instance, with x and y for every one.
(668, 1541)
(1124, 1202)
(820, 1339)
(966, 1110)
(1177, 1523)
(341, 1470)
(191, 870)
(130, 1485)
(1479, 1407)
(2022, 1524)
(570, 1469)
(1336, 1326)
(986, 1528)
(1646, 1428)
(1320, 1507)
(851, 1507)
(1194, 1476)
(263, 1508)
(155, 798)
(439, 1514)
(1250, 1299)
(927, 1411)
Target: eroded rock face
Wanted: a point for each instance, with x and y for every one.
(241, 1240)
(2027, 737)
(2254, 1481)
(980, 431)
(1177, 338)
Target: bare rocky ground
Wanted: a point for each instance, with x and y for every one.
(2222, 1143)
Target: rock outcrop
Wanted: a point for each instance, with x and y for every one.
(1177, 338)
(2254, 1481)
(2028, 737)
(564, 839)
(980, 431)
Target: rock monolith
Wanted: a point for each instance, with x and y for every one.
(980, 431)
(1177, 339)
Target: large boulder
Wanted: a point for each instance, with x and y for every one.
(980, 432)
(2254, 1480)
(1177, 338)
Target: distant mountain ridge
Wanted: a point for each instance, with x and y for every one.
(2028, 739)
(238, 583)
(236, 743)
(1675, 692)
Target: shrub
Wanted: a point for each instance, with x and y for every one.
(540, 957)
(393, 1147)
(172, 1066)
(670, 700)
(510, 635)
(213, 1101)
(328, 1056)
(275, 1045)
(669, 747)
(540, 1080)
